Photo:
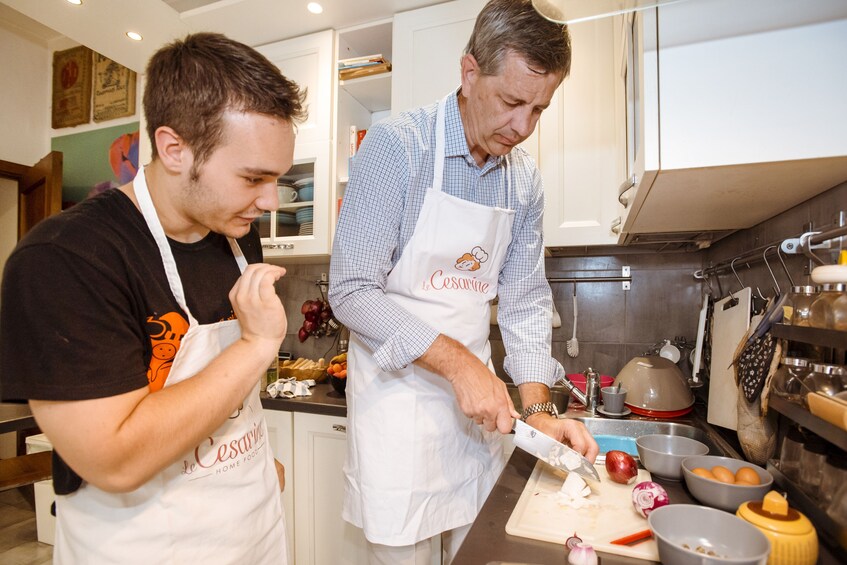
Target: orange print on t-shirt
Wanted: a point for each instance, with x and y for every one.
(166, 333)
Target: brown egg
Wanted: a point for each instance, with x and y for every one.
(747, 475)
(723, 474)
(705, 473)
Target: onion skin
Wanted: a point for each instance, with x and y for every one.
(648, 496)
(621, 467)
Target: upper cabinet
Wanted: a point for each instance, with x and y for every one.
(300, 227)
(729, 111)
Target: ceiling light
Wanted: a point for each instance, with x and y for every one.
(133, 35)
(75, 2)
(314, 7)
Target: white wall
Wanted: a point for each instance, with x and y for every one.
(24, 90)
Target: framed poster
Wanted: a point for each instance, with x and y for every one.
(114, 89)
(71, 87)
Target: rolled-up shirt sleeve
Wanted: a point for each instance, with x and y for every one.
(365, 249)
(525, 308)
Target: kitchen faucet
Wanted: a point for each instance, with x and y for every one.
(591, 396)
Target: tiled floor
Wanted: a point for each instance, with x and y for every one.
(19, 543)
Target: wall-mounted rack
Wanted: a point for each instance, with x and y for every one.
(625, 279)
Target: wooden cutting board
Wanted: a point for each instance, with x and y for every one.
(538, 516)
(729, 328)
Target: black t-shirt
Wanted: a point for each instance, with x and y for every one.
(86, 309)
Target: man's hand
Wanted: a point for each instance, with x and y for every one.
(568, 431)
(257, 305)
(481, 395)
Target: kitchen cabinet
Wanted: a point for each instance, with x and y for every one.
(580, 162)
(309, 61)
(281, 439)
(828, 529)
(321, 535)
(727, 111)
(427, 46)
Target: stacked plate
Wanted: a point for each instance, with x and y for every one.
(304, 215)
(286, 218)
(305, 229)
(305, 189)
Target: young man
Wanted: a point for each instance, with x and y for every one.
(443, 213)
(139, 322)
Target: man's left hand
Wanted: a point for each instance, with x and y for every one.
(568, 431)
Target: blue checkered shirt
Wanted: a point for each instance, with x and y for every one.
(384, 196)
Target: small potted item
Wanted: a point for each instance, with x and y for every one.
(793, 538)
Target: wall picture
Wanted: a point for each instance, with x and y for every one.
(71, 87)
(114, 89)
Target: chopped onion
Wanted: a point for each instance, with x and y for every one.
(648, 496)
(582, 554)
(621, 467)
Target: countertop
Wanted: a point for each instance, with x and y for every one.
(487, 542)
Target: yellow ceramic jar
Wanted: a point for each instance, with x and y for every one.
(793, 538)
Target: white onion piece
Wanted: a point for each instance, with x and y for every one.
(582, 554)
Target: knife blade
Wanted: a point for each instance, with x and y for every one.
(552, 452)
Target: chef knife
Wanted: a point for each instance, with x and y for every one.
(552, 452)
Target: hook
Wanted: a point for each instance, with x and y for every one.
(732, 266)
(768, 265)
(784, 268)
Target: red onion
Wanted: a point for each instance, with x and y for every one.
(582, 554)
(621, 467)
(648, 496)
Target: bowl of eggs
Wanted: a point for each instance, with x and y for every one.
(724, 482)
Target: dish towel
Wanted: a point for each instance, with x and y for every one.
(290, 388)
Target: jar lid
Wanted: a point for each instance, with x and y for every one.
(828, 369)
(795, 361)
(833, 287)
(773, 514)
(804, 289)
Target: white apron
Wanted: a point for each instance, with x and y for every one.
(416, 465)
(219, 503)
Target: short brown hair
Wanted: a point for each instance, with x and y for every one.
(505, 26)
(191, 82)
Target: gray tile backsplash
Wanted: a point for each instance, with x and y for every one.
(615, 325)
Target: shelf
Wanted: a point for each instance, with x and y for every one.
(806, 419)
(814, 336)
(373, 92)
(829, 531)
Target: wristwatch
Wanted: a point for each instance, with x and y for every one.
(548, 407)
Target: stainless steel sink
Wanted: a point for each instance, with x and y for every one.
(638, 428)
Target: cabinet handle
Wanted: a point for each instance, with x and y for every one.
(277, 246)
(616, 225)
(624, 187)
(339, 428)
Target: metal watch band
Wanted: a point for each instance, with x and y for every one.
(548, 407)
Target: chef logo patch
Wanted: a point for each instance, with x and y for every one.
(469, 262)
(473, 260)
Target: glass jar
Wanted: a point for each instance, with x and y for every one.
(839, 313)
(834, 475)
(798, 305)
(821, 313)
(825, 378)
(788, 380)
(812, 460)
(789, 453)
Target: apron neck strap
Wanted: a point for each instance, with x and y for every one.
(438, 174)
(148, 210)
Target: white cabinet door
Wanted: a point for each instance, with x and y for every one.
(281, 439)
(581, 161)
(322, 537)
(308, 61)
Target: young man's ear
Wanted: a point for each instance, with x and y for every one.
(171, 149)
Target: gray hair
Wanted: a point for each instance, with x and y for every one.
(505, 26)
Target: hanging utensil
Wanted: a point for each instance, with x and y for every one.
(573, 344)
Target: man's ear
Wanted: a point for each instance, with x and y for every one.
(470, 72)
(171, 149)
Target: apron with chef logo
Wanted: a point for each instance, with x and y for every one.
(416, 465)
(219, 503)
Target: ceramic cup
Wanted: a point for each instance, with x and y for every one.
(613, 399)
(287, 194)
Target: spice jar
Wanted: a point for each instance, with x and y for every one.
(821, 314)
(788, 379)
(798, 305)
